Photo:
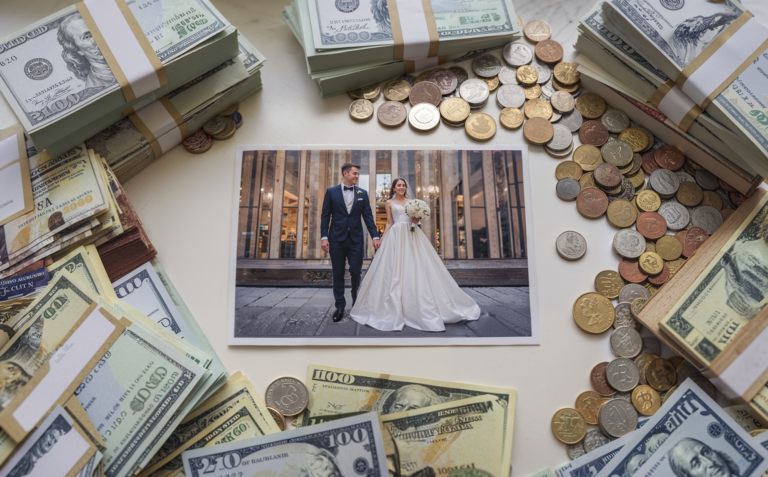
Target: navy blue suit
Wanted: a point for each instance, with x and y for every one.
(346, 236)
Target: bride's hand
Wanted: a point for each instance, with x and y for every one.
(414, 221)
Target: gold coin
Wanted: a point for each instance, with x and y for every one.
(669, 248)
(651, 138)
(690, 194)
(278, 417)
(538, 108)
(590, 105)
(370, 92)
(519, 21)
(621, 214)
(661, 375)
(492, 83)
(593, 313)
(609, 283)
(674, 266)
(649, 246)
(638, 180)
(587, 180)
(637, 306)
(565, 87)
(538, 130)
(651, 263)
(669, 393)
(537, 30)
(532, 92)
(588, 157)
(566, 73)
(569, 426)
(588, 404)
(480, 126)
(397, 90)
(648, 201)
(636, 138)
(646, 400)
(676, 361)
(232, 109)
(455, 110)
(756, 432)
(361, 109)
(422, 77)
(512, 118)
(712, 199)
(527, 75)
(568, 169)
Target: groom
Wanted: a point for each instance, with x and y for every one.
(343, 206)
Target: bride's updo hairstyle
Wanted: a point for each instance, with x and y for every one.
(394, 184)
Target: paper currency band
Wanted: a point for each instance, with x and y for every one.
(161, 124)
(740, 371)
(723, 60)
(412, 66)
(126, 49)
(676, 105)
(414, 29)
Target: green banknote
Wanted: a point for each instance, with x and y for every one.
(438, 440)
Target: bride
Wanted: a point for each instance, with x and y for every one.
(407, 283)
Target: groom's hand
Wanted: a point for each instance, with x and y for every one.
(325, 245)
(376, 243)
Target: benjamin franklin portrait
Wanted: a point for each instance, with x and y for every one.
(412, 396)
(42, 446)
(692, 458)
(82, 54)
(304, 460)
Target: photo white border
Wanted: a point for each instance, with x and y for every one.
(232, 340)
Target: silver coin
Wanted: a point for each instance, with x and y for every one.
(563, 100)
(508, 75)
(622, 375)
(410, 79)
(684, 176)
(568, 188)
(629, 243)
(517, 54)
(615, 120)
(475, 91)
(675, 214)
(486, 65)
(623, 312)
(707, 217)
(545, 72)
(707, 180)
(665, 182)
(626, 193)
(623, 396)
(724, 197)
(288, 395)
(631, 291)
(618, 417)
(617, 152)
(562, 138)
(572, 120)
(559, 154)
(555, 117)
(510, 96)
(626, 342)
(445, 79)
(461, 74)
(575, 450)
(424, 116)
(595, 439)
(571, 245)
(651, 345)
(548, 89)
(577, 93)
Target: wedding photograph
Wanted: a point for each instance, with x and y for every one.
(380, 247)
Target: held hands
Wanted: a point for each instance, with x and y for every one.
(376, 243)
(415, 221)
(325, 245)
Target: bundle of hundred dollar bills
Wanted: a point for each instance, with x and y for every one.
(350, 44)
(690, 435)
(378, 425)
(114, 378)
(632, 48)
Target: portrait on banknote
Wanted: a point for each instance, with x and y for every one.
(380, 246)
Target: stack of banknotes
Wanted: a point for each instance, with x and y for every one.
(112, 378)
(690, 435)
(350, 44)
(361, 423)
(624, 51)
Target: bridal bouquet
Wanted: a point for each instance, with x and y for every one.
(416, 209)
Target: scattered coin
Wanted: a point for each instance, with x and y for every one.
(398, 90)
(445, 79)
(543, 71)
(622, 375)
(486, 65)
(675, 215)
(591, 106)
(607, 176)
(454, 110)
(630, 271)
(278, 417)
(599, 380)
(651, 263)
(567, 73)
(595, 439)
(593, 133)
(569, 426)
(480, 126)
(537, 30)
(591, 203)
(632, 291)
(549, 51)
(370, 92)
(568, 189)
(562, 138)
(575, 450)
(624, 317)
(532, 91)
(215, 125)
(618, 153)
(565, 168)
(572, 120)
(646, 400)
(593, 313)
(288, 395)
(227, 132)
(587, 157)
(540, 108)
(562, 102)
(689, 194)
(511, 96)
(628, 243)
(538, 130)
(527, 75)
(708, 218)
(621, 213)
(588, 404)
(661, 375)
(636, 138)
(493, 83)
(669, 248)
(648, 201)
(391, 113)
(512, 118)
(507, 75)
(424, 116)
(651, 225)
(626, 342)
(475, 91)
(615, 120)
(608, 283)
(517, 54)
(637, 306)
(618, 418)
(571, 245)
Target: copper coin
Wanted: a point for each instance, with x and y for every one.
(549, 51)
(661, 278)
(630, 271)
(599, 380)
(669, 157)
(608, 176)
(651, 225)
(737, 198)
(592, 203)
(694, 238)
(726, 186)
(681, 236)
(425, 92)
(538, 130)
(593, 133)
(649, 163)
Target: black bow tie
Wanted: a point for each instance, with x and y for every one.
(348, 188)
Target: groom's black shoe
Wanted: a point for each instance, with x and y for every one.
(338, 314)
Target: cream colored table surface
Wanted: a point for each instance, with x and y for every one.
(185, 203)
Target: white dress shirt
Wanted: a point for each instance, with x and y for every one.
(349, 200)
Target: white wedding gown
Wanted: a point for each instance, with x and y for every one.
(407, 284)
